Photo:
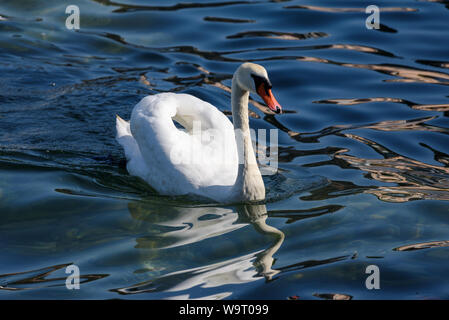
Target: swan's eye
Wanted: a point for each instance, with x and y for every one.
(263, 89)
(258, 81)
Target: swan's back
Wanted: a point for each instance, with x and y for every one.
(178, 161)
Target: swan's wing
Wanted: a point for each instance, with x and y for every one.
(180, 161)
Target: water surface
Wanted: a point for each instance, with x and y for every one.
(363, 143)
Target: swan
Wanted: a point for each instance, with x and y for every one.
(182, 145)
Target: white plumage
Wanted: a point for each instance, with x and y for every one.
(202, 156)
(176, 161)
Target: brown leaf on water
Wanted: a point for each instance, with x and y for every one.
(333, 296)
(143, 79)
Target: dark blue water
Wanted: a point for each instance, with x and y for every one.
(363, 142)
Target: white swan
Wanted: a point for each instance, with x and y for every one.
(207, 158)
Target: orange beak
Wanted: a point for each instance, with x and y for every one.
(265, 93)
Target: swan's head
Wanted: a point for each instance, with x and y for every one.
(254, 78)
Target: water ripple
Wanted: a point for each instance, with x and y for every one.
(278, 35)
(35, 279)
(123, 7)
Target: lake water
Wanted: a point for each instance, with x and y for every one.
(363, 143)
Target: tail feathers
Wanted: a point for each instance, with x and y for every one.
(125, 138)
(136, 165)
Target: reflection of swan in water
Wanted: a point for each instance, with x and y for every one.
(257, 215)
(200, 223)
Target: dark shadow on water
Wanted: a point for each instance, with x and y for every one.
(277, 35)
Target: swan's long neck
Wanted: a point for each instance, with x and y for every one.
(249, 185)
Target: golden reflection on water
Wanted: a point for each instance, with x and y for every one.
(415, 180)
(413, 105)
(339, 10)
(408, 74)
(423, 245)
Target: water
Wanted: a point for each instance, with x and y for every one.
(364, 142)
